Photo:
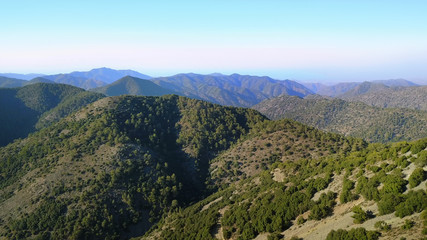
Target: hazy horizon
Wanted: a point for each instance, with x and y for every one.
(305, 41)
(260, 74)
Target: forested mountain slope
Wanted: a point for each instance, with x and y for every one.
(121, 165)
(133, 86)
(6, 82)
(108, 169)
(234, 90)
(365, 88)
(374, 192)
(403, 97)
(25, 109)
(349, 118)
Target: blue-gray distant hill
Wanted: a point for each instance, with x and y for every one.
(94, 78)
(22, 76)
(6, 82)
(235, 90)
(133, 86)
(108, 75)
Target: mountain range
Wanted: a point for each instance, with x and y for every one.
(163, 158)
(234, 90)
(342, 88)
(90, 79)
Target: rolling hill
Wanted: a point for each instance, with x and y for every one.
(349, 118)
(25, 109)
(133, 86)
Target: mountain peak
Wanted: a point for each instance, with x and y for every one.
(133, 86)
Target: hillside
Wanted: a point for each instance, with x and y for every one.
(38, 80)
(114, 166)
(6, 82)
(349, 118)
(376, 192)
(25, 109)
(408, 97)
(234, 90)
(189, 169)
(133, 86)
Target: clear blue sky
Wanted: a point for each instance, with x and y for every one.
(301, 40)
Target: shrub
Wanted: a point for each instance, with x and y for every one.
(300, 220)
(359, 216)
(388, 203)
(415, 202)
(355, 233)
(346, 194)
(275, 236)
(408, 224)
(417, 176)
(383, 226)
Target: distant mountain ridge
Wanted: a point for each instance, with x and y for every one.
(108, 75)
(83, 79)
(6, 82)
(343, 87)
(396, 83)
(235, 90)
(364, 88)
(22, 76)
(94, 78)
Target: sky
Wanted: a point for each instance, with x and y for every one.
(311, 41)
